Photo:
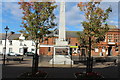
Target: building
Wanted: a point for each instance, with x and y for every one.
(109, 47)
(16, 43)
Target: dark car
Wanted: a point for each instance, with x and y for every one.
(29, 53)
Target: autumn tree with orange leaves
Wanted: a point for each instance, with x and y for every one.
(38, 19)
(95, 25)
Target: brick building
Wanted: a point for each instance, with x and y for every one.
(109, 47)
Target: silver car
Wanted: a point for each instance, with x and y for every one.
(13, 54)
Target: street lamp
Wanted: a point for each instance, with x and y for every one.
(6, 30)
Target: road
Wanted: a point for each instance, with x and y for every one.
(13, 69)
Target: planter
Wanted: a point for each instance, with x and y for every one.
(37, 75)
(88, 76)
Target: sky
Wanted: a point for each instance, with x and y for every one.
(10, 15)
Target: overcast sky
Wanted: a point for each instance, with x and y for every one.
(11, 15)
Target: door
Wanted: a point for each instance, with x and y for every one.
(24, 51)
(83, 52)
(109, 50)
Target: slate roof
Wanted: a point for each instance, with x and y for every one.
(10, 37)
(16, 36)
(71, 34)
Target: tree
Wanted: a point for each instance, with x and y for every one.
(38, 19)
(95, 25)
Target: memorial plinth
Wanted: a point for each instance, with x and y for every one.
(61, 53)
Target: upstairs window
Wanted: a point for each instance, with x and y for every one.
(10, 42)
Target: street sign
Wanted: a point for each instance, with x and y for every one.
(73, 46)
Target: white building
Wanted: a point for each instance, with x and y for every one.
(16, 43)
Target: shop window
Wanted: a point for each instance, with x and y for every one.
(116, 49)
(96, 50)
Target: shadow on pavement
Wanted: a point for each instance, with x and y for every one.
(10, 72)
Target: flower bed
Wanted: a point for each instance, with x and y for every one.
(39, 74)
(88, 76)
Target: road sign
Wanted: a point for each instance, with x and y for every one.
(73, 46)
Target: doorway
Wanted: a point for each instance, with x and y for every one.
(24, 51)
(110, 51)
(83, 52)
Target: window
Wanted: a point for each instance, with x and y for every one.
(33, 43)
(109, 40)
(10, 42)
(76, 44)
(96, 50)
(20, 50)
(53, 40)
(10, 49)
(116, 49)
(68, 40)
(109, 36)
(116, 40)
(21, 44)
(42, 40)
(49, 49)
(32, 50)
(103, 50)
(1, 42)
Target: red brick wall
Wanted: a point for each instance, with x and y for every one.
(74, 40)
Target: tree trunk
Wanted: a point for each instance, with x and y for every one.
(35, 61)
(89, 59)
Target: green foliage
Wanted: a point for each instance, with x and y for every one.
(38, 19)
(95, 25)
(83, 39)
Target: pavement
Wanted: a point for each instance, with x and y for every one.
(13, 69)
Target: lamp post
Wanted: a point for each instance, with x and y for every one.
(6, 30)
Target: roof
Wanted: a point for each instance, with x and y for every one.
(16, 36)
(9, 36)
(56, 32)
(112, 26)
(71, 34)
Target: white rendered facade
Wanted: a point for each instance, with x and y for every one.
(18, 46)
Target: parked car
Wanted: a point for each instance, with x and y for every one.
(29, 53)
(13, 54)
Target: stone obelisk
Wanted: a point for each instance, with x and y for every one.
(61, 42)
(62, 21)
(62, 34)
